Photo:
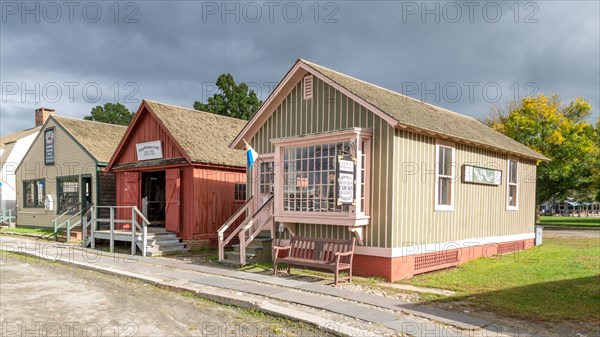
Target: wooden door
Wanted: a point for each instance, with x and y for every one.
(129, 195)
(172, 200)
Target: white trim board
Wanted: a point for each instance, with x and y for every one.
(440, 246)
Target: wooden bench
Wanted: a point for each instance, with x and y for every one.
(329, 254)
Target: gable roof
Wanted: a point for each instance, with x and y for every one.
(7, 142)
(203, 137)
(99, 139)
(404, 112)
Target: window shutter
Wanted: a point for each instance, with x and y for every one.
(308, 87)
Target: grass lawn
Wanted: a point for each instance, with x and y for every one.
(569, 221)
(556, 282)
(19, 230)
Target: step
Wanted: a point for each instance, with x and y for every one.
(234, 258)
(249, 249)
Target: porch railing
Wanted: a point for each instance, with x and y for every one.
(232, 219)
(139, 227)
(247, 230)
(71, 222)
(7, 216)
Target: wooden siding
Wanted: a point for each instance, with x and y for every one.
(146, 130)
(330, 110)
(70, 159)
(479, 210)
(208, 205)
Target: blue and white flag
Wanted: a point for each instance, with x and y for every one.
(251, 155)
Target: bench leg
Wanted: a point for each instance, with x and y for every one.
(350, 275)
(289, 270)
(336, 277)
(275, 268)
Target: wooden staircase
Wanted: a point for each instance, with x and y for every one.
(255, 233)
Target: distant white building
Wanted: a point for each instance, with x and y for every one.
(13, 148)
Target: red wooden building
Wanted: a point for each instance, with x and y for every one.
(176, 166)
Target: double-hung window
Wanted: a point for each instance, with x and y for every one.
(68, 194)
(444, 176)
(512, 182)
(34, 193)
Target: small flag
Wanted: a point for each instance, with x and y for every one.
(251, 155)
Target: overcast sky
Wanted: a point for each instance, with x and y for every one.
(463, 56)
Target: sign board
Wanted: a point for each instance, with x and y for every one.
(49, 146)
(481, 175)
(149, 150)
(345, 182)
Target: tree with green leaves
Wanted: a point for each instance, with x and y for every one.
(233, 100)
(111, 113)
(562, 133)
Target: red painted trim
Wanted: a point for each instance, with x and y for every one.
(394, 269)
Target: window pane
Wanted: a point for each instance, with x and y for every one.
(512, 195)
(68, 195)
(513, 172)
(309, 178)
(444, 190)
(445, 161)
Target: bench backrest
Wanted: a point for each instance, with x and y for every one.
(319, 249)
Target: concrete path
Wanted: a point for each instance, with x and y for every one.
(269, 294)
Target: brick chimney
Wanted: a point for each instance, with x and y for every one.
(41, 115)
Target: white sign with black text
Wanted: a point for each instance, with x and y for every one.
(345, 190)
(149, 150)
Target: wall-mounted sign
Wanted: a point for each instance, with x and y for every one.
(49, 146)
(149, 150)
(345, 181)
(481, 175)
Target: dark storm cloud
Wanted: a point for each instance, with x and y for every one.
(173, 51)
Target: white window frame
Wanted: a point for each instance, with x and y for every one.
(354, 217)
(438, 144)
(508, 184)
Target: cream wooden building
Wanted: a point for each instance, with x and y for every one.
(64, 170)
(430, 188)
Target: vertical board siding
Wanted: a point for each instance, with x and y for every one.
(146, 130)
(330, 110)
(70, 160)
(479, 210)
(208, 201)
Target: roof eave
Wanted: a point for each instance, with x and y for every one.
(470, 142)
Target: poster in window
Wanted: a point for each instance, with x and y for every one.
(49, 146)
(481, 175)
(346, 181)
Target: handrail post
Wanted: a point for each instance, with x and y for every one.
(242, 236)
(221, 247)
(133, 229)
(68, 230)
(112, 229)
(92, 228)
(84, 230)
(144, 238)
(55, 236)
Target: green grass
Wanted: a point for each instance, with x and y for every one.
(569, 221)
(22, 230)
(556, 282)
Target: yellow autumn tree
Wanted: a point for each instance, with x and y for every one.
(562, 133)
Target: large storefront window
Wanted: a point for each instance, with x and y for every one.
(68, 194)
(34, 192)
(309, 181)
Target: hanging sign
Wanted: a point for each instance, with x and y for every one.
(481, 175)
(346, 181)
(49, 146)
(149, 150)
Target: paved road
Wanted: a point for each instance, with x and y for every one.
(585, 233)
(39, 298)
